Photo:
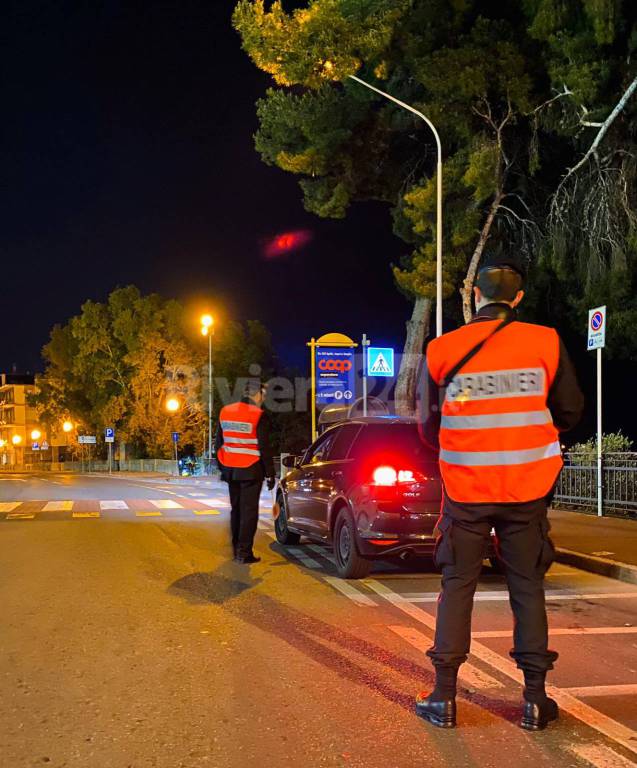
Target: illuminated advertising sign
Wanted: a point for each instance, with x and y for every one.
(335, 375)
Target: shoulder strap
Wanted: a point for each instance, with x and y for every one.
(474, 351)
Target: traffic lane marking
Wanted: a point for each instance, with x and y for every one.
(148, 513)
(206, 511)
(623, 689)
(556, 631)
(300, 555)
(85, 514)
(58, 506)
(600, 756)
(347, 589)
(165, 504)
(600, 722)
(503, 596)
(9, 506)
(471, 676)
(113, 504)
(20, 516)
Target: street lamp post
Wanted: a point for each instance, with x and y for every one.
(207, 329)
(438, 195)
(172, 406)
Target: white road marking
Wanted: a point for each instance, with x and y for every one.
(500, 595)
(554, 631)
(57, 506)
(566, 701)
(349, 591)
(196, 493)
(468, 673)
(214, 502)
(165, 504)
(300, 555)
(86, 514)
(627, 689)
(323, 551)
(600, 756)
(20, 516)
(9, 506)
(113, 504)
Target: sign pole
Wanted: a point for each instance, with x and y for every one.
(365, 343)
(110, 458)
(312, 346)
(600, 480)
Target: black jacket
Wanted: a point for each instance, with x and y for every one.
(262, 468)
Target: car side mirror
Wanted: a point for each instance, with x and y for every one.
(290, 461)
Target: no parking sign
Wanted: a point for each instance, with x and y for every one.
(597, 328)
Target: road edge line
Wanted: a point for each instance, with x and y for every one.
(602, 566)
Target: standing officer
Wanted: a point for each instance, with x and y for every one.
(510, 390)
(242, 447)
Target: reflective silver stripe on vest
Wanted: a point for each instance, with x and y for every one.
(246, 451)
(242, 440)
(236, 426)
(499, 458)
(497, 420)
(489, 385)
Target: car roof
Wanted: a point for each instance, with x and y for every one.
(386, 420)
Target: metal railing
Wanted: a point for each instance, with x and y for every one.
(577, 485)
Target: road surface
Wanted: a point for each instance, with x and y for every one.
(129, 638)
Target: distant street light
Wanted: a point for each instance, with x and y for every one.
(438, 195)
(16, 439)
(36, 434)
(67, 426)
(172, 405)
(2, 443)
(207, 329)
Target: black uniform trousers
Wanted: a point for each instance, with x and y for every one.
(244, 513)
(526, 551)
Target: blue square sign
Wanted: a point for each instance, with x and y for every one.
(380, 361)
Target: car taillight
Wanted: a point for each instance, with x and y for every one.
(387, 476)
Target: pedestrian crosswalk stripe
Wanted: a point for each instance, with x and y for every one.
(58, 506)
(113, 504)
(196, 493)
(213, 502)
(165, 504)
(601, 756)
(9, 506)
(147, 513)
(350, 591)
(308, 562)
(86, 514)
(206, 511)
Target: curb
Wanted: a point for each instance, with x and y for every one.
(599, 565)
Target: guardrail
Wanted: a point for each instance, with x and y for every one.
(577, 485)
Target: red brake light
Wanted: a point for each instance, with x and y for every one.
(387, 475)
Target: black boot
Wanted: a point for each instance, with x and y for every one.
(246, 559)
(439, 713)
(536, 717)
(439, 708)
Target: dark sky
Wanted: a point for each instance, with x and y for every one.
(128, 157)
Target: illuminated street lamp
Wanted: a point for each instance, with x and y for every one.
(67, 426)
(36, 434)
(16, 439)
(207, 329)
(172, 405)
(2, 443)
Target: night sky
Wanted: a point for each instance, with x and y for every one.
(127, 157)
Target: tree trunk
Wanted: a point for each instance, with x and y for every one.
(467, 285)
(417, 329)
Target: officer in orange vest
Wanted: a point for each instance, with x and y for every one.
(499, 393)
(244, 457)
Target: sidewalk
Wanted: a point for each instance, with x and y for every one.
(603, 545)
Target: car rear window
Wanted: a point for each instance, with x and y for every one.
(393, 442)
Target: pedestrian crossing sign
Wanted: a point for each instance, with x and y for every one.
(380, 361)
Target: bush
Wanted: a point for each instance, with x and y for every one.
(614, 442)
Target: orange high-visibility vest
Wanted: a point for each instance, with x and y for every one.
(498, 443)
(240, 447)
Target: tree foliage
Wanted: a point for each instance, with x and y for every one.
(116, 363)
(515, 90)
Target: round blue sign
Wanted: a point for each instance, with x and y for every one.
(596, 321)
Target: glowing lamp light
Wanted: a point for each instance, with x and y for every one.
(67, 426)
(172, 405)
(36, 434)
(2, 443)
(204, 330)
(16, 439)
(206, 321)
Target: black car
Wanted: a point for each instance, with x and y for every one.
(368, 486)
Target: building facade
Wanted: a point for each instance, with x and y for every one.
(18, 422)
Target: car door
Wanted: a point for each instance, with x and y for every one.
(300, 484)
(330, 476)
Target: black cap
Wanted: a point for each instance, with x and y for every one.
(500, 278)
(504, 262)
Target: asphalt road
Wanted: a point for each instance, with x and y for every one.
(128, 638)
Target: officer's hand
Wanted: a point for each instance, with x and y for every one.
(271, 483)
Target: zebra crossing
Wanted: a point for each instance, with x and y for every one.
(111, 508)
